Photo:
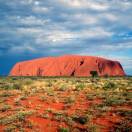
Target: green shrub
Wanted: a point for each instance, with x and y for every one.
(70, 99)
(10, 128)
(43, 98)
(80, 119)
(45, 116)
(109, 85)
(7, 86)
(93, 128)
(63, 88)
(62, 129)
(90, 96)
(122, 126)
(5, 94)
(16, 86)
(20, 116)
(114, 100)
(125, 113)
(94, 73)
(80, 86)
(5, 108)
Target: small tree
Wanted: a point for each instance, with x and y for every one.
(106, 75)
(94, 73)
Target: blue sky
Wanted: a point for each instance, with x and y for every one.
(36, 28)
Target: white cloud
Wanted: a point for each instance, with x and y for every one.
(115, 47)
(58, 35)
(121, 4)
(25, 2)
(81, 18)
(36, 2)
(55, 37)
(85, 4)
(29, 31)
(40, 9)
(109, 16)
(23, 48)
(95, 33)
(31, 20)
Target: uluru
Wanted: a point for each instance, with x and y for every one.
(68, 65)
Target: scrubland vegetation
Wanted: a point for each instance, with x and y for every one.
(41, 104)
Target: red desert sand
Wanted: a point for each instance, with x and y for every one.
(68, 65)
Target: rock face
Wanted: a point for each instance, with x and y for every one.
(68, 65)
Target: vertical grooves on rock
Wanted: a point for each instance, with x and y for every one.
(39, 72)
(73, 73)
(101, 67)
(81, 62)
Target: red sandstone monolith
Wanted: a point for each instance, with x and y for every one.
(68, 65)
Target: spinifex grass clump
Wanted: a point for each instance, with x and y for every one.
(123, 126)
(62, 129)
(4, 108)
(63, 88)
(109, 85)
(114, 100)
(80, 86)
(70, 99)
(19, 116)
(5, 94)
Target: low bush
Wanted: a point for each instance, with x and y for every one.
(80, 119)
(123, 126)
(62, 129)
(5, 108)
(109, 85)
(80, 86)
